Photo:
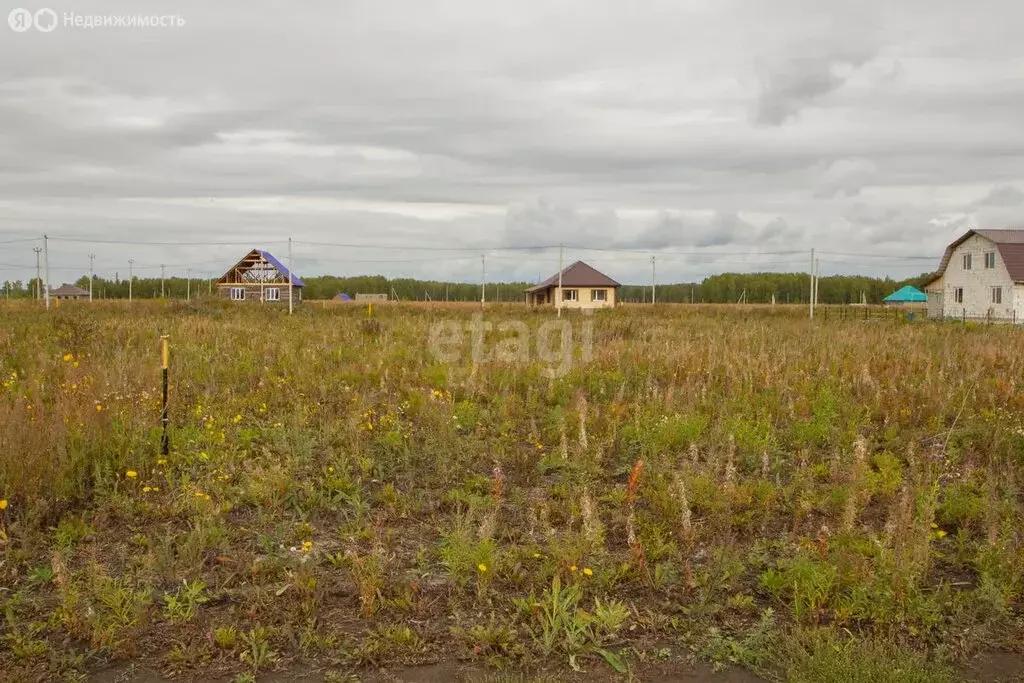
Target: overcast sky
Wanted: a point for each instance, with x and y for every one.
(707, 131)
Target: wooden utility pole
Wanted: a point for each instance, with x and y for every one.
(92, 276)
(653, 281)
(39, 277)
(483, 279)
(290, 287)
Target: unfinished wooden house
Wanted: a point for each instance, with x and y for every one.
(259, 277)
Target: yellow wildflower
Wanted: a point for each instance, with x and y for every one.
(238, 418)
(572, 568)
(131, 474)
(161, 461)
(68, 357)
(307, 546)
(3, 503)
(536, 554)
(588, 571)
(147, 489)
(203, 456)
(482, 567)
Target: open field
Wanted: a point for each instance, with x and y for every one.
(732, 487)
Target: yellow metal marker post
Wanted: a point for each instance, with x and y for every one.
(165, 442)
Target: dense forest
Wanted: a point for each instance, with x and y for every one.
(723, 288)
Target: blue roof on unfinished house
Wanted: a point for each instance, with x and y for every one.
(296, 280)
(908, 294)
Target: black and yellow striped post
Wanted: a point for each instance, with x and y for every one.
(165, 442)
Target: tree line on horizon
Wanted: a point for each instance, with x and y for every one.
(721, 288)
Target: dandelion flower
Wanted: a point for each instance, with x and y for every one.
(147, 489)
(572, 568)
(131, 474)
(161, 461)
(482, 567)
(307, 546)
(3, 503)
(68, 357)
(588, 571)
(99, 408)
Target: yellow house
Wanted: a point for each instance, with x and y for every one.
(582, 287)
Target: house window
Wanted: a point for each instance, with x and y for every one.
(569, 295)
(997, 295)
(958, 295)
(967, 261)
(238, 293)
(273, 294)
(990, 260)
(599, 295)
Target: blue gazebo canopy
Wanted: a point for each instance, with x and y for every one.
(908, 294)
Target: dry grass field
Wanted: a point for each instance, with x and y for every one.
(736, 486)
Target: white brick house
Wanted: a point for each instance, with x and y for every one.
(981, 275)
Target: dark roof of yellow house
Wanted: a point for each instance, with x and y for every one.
(578, 274)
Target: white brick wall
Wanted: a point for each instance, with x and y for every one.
(977, 284)
(1018, 302)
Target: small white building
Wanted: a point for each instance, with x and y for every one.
(981, 275)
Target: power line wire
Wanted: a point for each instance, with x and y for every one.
(79, 240)
(892, 256)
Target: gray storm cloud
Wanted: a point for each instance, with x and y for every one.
(722, 127)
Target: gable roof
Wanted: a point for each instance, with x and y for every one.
(246, 263)
(578, 274)
(907, 294)
(69, 290)
(1010, 244)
